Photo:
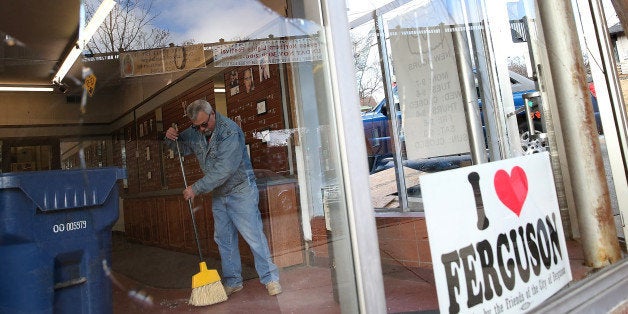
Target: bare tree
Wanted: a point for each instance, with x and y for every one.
(517, 64)
(366, 64)
(621, 8)
(128, 27)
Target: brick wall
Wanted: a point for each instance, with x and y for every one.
(402, 241)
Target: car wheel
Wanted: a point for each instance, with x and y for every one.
(533, 144)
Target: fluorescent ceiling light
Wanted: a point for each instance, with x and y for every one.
(101, 13)
(25, 89)
(219, 90)
(67, 64)
(84, 36)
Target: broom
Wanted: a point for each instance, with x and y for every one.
(206, 286)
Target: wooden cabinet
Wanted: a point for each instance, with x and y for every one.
(161, 221)
(154, 211)
(258, 110)
(164, 221)
(282, 222)
(174, 222)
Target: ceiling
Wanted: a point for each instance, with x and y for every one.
(40, 34)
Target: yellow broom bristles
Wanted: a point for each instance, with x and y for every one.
(208, 294)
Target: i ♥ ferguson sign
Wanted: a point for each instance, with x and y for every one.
(496, 236)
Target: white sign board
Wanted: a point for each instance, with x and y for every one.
(271, 51)
(498, 245)
(429, 92)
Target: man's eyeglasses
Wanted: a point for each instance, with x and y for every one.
(203, 125)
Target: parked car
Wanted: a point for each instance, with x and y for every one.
(596, 111)
(378, 134)
(521, 85)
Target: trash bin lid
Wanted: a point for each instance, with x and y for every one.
(64, 189)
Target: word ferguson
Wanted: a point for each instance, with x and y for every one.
(526, 249)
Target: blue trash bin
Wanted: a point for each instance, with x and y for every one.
(55, 236)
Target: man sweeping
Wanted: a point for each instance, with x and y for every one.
(219, 146)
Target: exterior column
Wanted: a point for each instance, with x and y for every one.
(582, 146)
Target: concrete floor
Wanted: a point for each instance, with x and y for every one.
(307, 289)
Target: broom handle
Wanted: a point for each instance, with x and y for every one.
(185, 181)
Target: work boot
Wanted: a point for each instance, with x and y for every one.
(273, 287)
(231, 290)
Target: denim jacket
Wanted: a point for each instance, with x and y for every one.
(224, 159)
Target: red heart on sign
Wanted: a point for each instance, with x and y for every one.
(512, 189)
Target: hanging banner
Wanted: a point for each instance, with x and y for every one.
(162, 60)
(431, 103)
(270, 51)
(498, 245)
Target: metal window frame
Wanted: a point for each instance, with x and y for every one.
(361, 219)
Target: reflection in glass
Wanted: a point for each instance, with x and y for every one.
(30, 158)
(425, 42)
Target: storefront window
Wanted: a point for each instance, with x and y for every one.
(268, 72)
(445, 85)
(265, 65)
(441, 85)
(500, 46)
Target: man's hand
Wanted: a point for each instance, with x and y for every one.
(188, 193)
(172, 134)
